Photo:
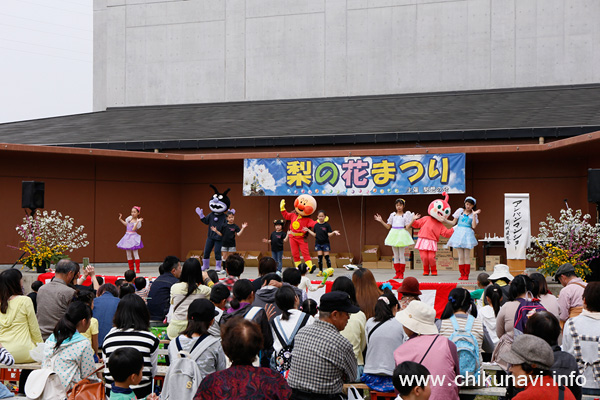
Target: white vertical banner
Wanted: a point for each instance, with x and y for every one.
(517, 225)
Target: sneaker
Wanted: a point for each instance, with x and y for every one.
(350, 267)
(312, 269)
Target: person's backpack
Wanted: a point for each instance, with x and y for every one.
(526, 309)
(44, 383)
(467, 347)
(282, 361)
(252, 313)
(183, 376)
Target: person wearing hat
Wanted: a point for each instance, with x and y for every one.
(277, 238)
(323, 360)
(502, 277)
(195, 339)
(425, 346)
(463, 239)
(530, 359)
(570, 303)
(410, 291)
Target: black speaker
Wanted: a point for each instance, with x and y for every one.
(33, 195)
(594, 185)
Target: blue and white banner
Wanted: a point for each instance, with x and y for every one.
(355, 176)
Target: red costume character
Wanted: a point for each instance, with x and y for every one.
(304, 206)
(431, 228)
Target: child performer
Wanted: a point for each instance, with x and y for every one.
(322, 231)
(131, 242)
(463, 239)
(228, 234)
(278, 237)
(398, 222)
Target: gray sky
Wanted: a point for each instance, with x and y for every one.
(46, 58)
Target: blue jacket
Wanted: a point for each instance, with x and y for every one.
(105, 307)
(159, 297)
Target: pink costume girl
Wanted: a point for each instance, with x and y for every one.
(431, 228)
(131, 242)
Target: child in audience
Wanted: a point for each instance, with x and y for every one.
(213, 275)
(305, 283)
(91, 334)
(415, 388)
(129, 276)
(35, 286)
(126, 366)
(141, 288)
(310, 307)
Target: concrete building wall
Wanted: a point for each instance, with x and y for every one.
(194, 51)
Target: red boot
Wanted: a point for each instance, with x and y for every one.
(425, 270)
(397, 269)
(434, 270)
(467, 269)
(137, 266)
(400, 271)
(130, 262)
(462, 272)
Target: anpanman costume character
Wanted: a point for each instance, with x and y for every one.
(304, 206)
(430, 230)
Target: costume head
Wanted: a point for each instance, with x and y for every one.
(219, 202)
(440, 209)
(305, 205)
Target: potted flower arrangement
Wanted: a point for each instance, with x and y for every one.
(48, 237)
(571, 239)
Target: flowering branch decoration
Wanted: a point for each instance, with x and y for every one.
(48, 236)
(571, 239)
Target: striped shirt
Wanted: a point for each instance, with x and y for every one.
(145, 342)
(5, 357)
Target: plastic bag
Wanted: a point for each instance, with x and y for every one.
(38, 353)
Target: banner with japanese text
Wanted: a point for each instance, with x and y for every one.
(355, 176)
(517, 225)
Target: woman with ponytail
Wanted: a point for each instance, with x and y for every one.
(241, 305)
(193, 285)
(19, 329)
(488, 313)
(67, 351)
(462, 307)
(384, 334)
(291, 317)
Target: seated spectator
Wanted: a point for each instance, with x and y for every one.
(213, 275)
(126, 365)
(323, 360)
(384, 333)
(141, 288)
(266, 294)
(293, 277)
(159, 295)
(519, 288)
(570, 302)
(194, 284)
(287, 324)
(461, 308)
(242, 341)
(119, 282)
(580, 338)
(412, 390)
(19, 330)
(310, 307)
(105, 306)
(125, 289)
(425, 346)
(355, 329)
(241, 306)
(129, 276)
(132, 329)
(367, 292)
(488, 314)
(67, 351)
(195, 339)
(502, 277)
(409, 290)
(266, 266)
(482, 283)
(547, 299)
(218, 296)
(545, 325)
(234, 266)
(530, 357)
(54, 297)
(91, 334)
(35, 286)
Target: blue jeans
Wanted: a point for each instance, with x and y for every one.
(277, 256)
(210, 243)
